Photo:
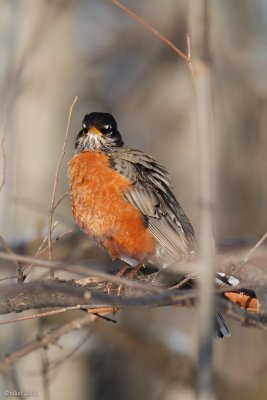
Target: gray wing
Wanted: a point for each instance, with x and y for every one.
(152, 194)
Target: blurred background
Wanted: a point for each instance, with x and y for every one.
(53, 50)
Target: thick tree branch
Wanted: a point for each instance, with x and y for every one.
(18, 297)
(90, 292)
(250, 276)
(55, 293)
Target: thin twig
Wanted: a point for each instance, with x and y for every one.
(91, 310)
(52, 205)
(254, 248)
(61, 199)
(55, 364)
(3, 150)
(185, 280)
(44, 340)
(150, 28)
(8, 250)
(41, 249)
(33, 205)
(45, 373)
(188, 42)
(7, 278)
(25, 269)
(41, 315)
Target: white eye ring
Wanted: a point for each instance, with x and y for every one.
(84, 126)
(108, 126)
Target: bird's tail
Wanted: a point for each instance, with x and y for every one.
(220, 329)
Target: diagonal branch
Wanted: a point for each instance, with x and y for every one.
(254, 248)
(151, 29)
(44, 340)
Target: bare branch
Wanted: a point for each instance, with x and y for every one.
(55, 293)
(150, 28)
(52, 293)
(254, 248)
(3, 151)
(204, 124)
(44, 372)
(64, 196)
(25, 269)
(52, 205)
(188, 42)
(40, 315)
(8, 250)
(78, 269)
(250, 276)
(117, 337)
(44, 340)
(74, 294)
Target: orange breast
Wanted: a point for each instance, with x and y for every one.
(100, 209)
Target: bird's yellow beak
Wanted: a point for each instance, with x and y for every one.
(95, 131)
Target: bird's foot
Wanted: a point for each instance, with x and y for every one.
(120, 273)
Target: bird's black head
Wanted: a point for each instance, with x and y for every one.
(99, 133)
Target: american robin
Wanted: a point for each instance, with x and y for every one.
(123, 199)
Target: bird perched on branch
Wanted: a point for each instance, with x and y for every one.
(123, 199)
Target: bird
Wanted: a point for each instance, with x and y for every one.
(123, 199)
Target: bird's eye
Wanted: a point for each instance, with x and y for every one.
(106, 128)
(85, 129)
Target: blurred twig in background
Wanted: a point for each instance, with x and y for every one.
(3, 151)
(53, 200)
(200, 25)
(150, 28)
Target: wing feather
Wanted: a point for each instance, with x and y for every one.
(151, 193)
